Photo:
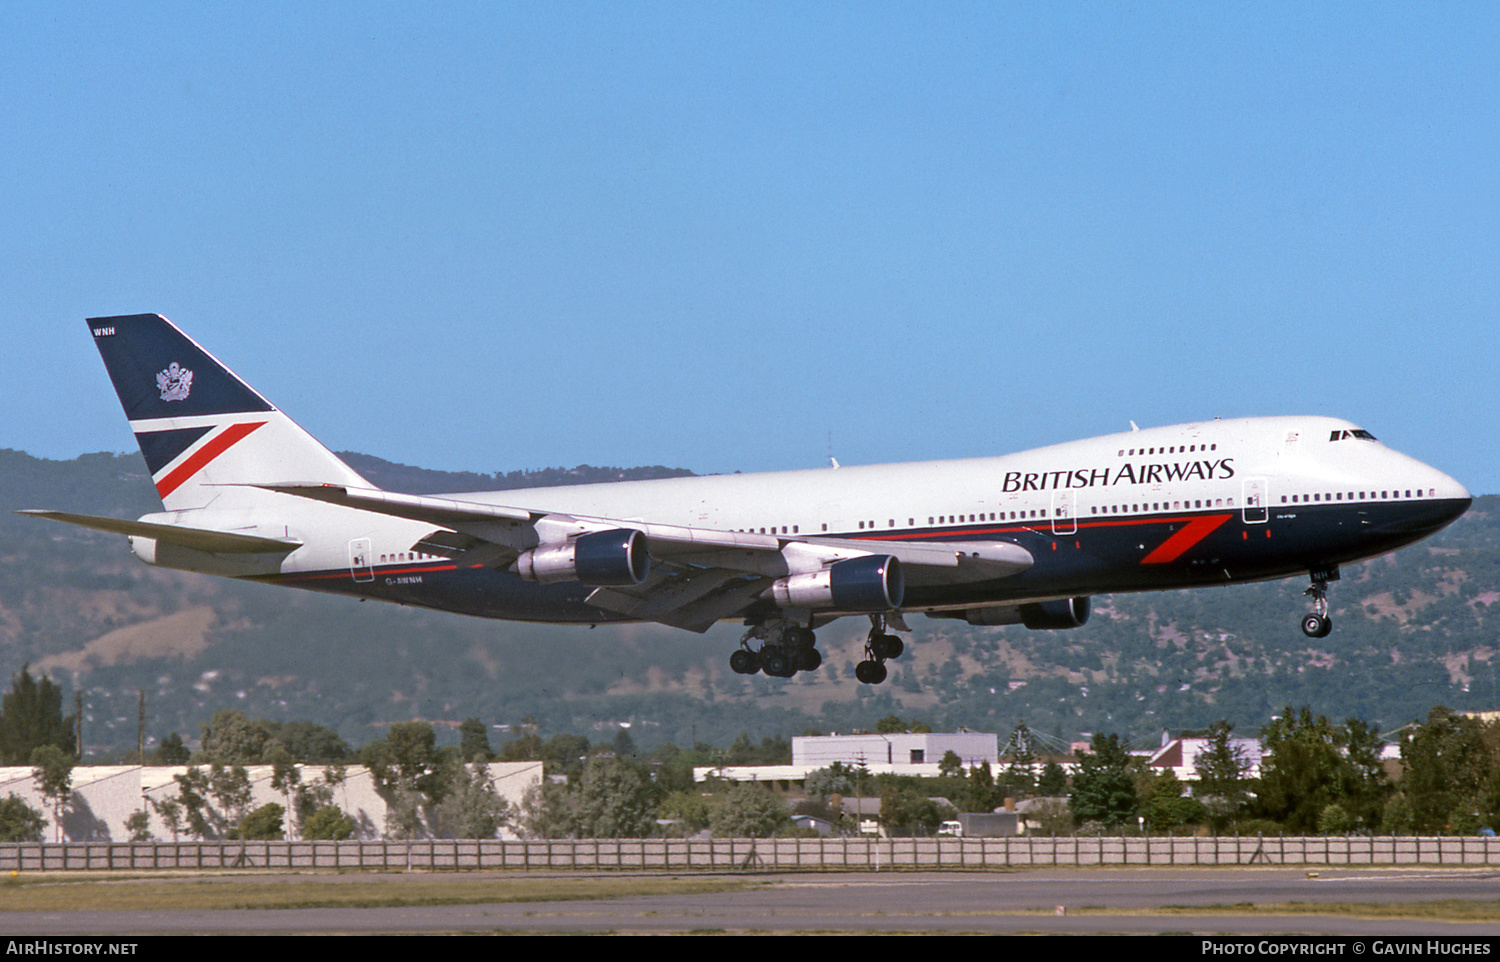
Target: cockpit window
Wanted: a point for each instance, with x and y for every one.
(1358, 433)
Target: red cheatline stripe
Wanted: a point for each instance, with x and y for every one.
(1192, 533)
(216, 446)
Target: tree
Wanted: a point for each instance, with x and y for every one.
(525, 748)
(139, 825)
(474, 741)
(307, 742)
(230, 738)
(1302, 771)
(773, 750)
(191, 804)
(230, 787)
(1368, 786)
(472, 808)
(906, 811)
(328, 823)
(19, 822)
(1053, 780)
(31, 716)
(285, 777)
(262, 824)
(749, 811)
(564, 754)
(692, 809)
(893, 725)
(1222, 767)
(411, 773)
(1333, 820)
(1165, 804)
(1103, 790)
(614, 800)
(53, 770)
(980, 793)
(171, 812)
(1020, 775)
(1052, 817)
(1447, 769)
(549, 810)
(171, 752)
(836, 779)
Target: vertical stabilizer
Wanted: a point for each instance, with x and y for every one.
(203, 431)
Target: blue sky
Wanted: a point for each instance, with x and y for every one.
(738, 236)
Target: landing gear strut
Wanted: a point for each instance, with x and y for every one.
(879, 646)
(785, 649)
(1318, 624)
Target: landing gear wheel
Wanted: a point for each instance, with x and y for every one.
(744, 662)
(807, 659)
(886, 646)
(775, 662)
(1317, 626)
(870, 672)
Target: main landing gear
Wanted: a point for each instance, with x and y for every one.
(879, 646)
(1318, 624)
(785, 650)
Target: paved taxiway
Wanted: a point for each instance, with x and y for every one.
(1096, 901)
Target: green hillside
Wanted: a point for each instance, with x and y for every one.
(1414, 629)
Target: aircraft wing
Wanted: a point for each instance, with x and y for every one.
(698, 576)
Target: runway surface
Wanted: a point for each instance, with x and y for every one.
(1092, 901)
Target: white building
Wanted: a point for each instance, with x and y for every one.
(903, 753)
(1181, 755)
(105, 797)
(904, 748)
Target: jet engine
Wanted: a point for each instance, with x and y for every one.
(871, 583)
(1067, 613)
(618, 557)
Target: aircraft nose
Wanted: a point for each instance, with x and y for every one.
(1445, 502)
(1453, 495)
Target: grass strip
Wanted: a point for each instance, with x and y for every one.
(308, 892)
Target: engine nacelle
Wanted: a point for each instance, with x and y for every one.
(619, 557)
(993, 616)
(871, 583)
(1067, 613)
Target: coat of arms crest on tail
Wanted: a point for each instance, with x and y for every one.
(175, 382)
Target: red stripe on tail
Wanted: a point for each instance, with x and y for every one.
(200, 459)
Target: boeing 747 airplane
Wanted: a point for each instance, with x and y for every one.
(1018, 539)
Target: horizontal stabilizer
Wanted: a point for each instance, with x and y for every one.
(200, 539)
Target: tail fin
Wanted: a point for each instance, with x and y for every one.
(204, 432)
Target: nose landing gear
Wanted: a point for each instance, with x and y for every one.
(1318, 624)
